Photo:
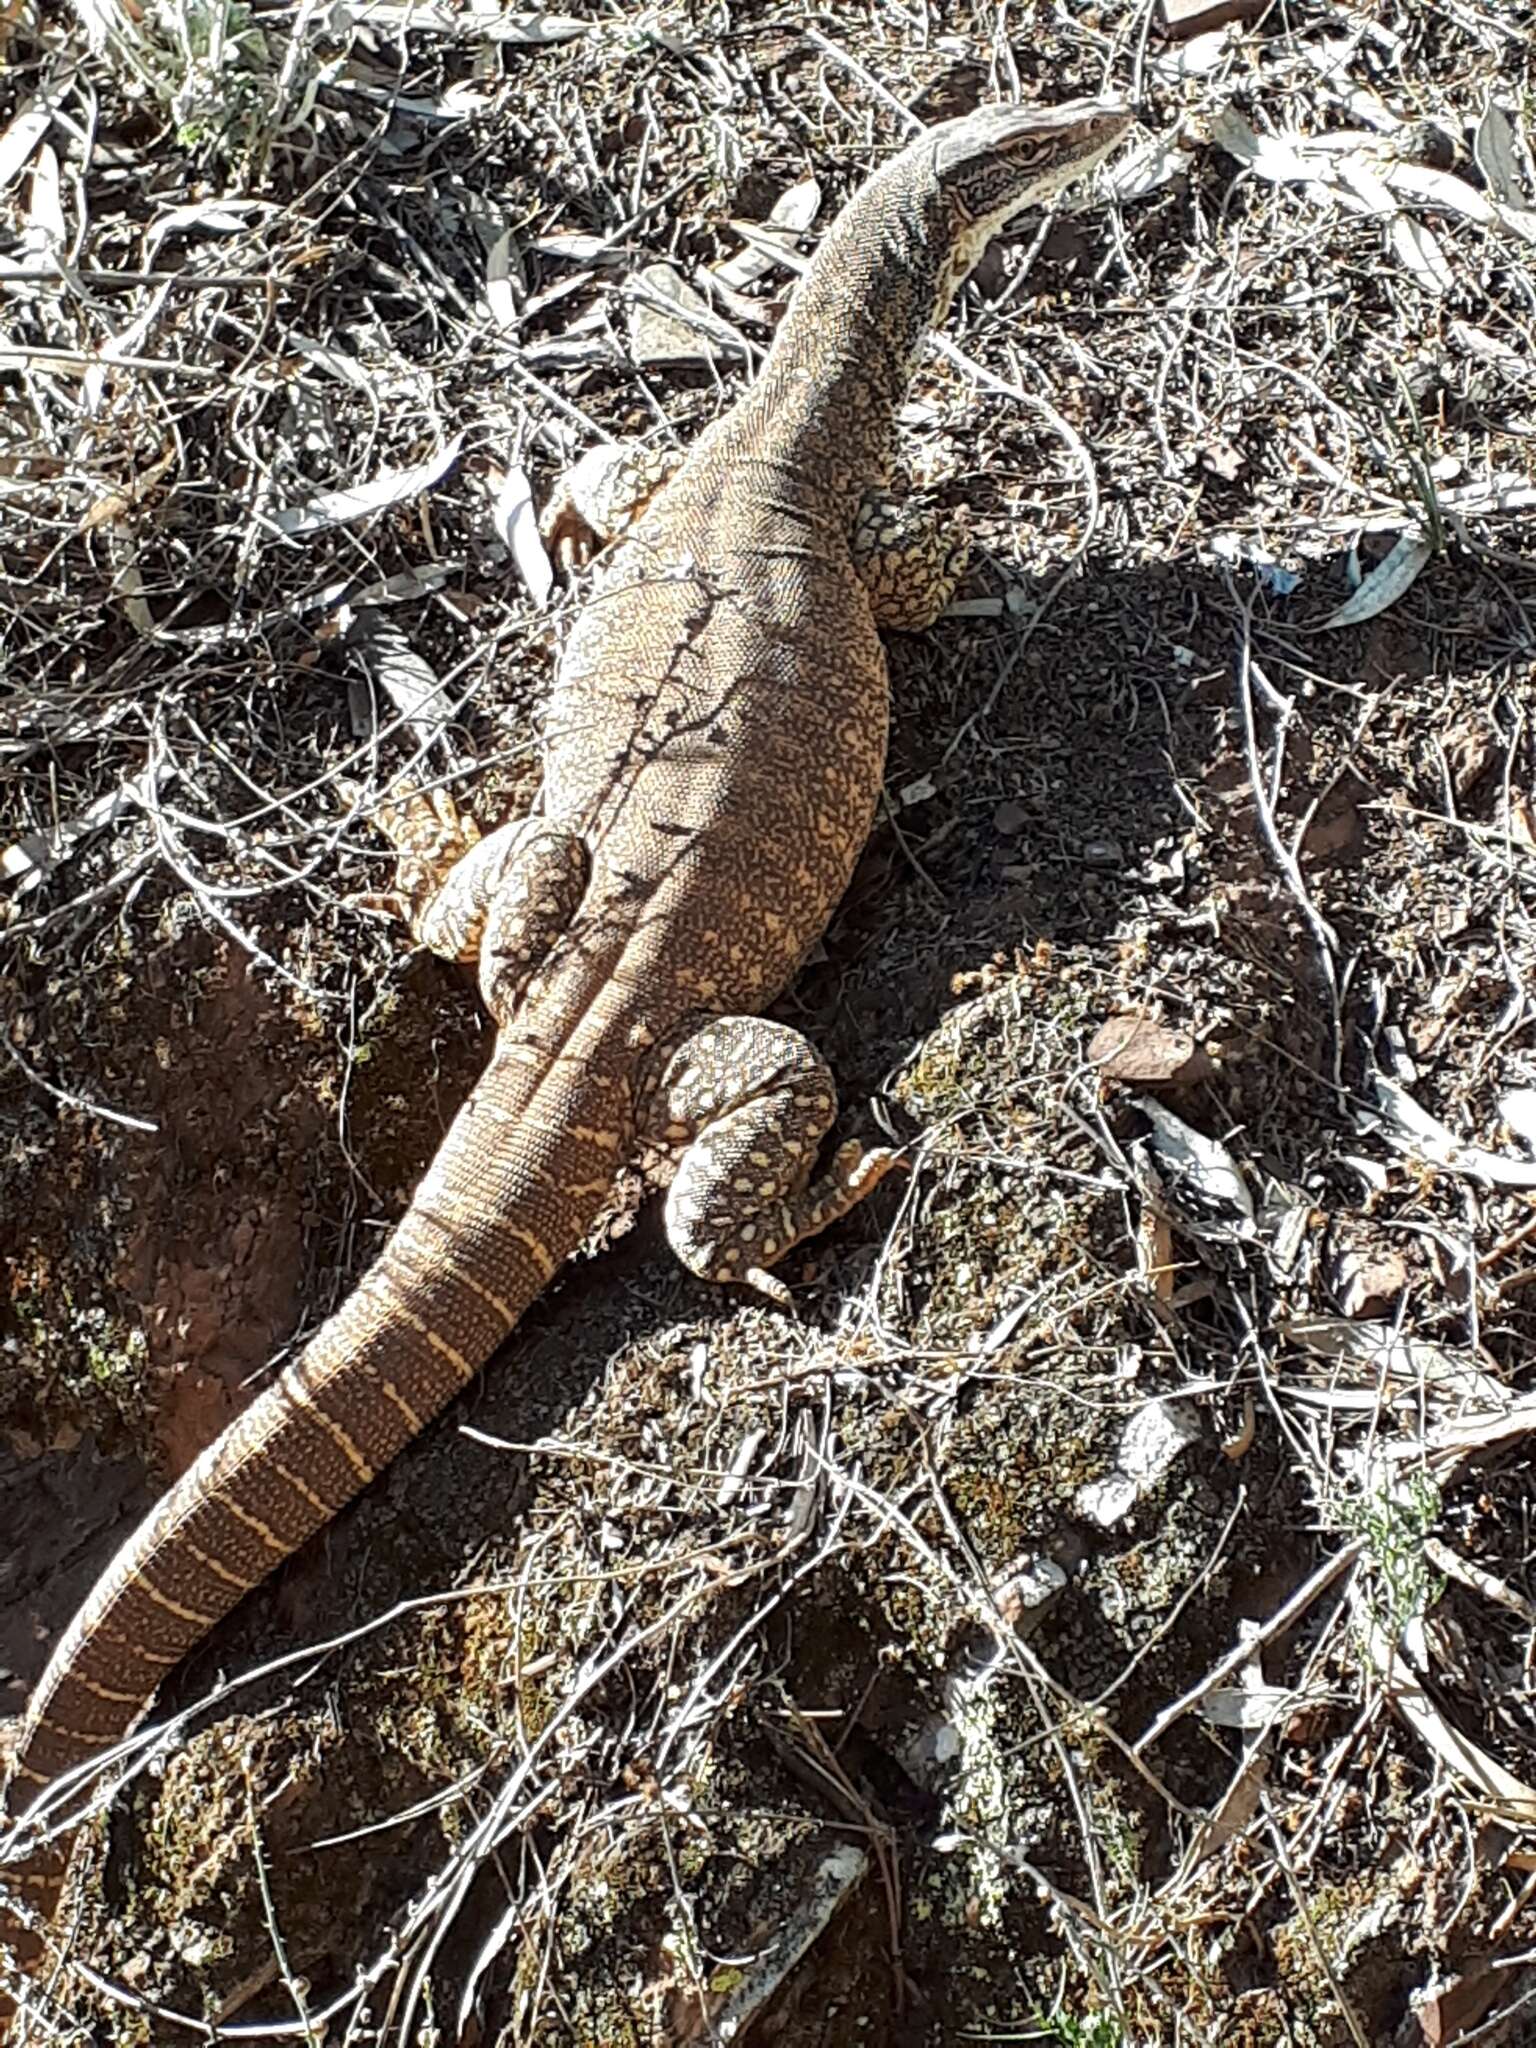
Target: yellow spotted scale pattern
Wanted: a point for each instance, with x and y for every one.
(714, 750)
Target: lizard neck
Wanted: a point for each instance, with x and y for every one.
(845, 351)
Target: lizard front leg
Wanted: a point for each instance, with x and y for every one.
(751, 1100)
(446, 871)
(602, 494)
(909, 559)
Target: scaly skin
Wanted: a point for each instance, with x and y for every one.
(715, 746)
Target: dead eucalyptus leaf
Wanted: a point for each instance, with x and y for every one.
(694, 334)
(22, 135)
(31, 859)
(1510, 1797)
(357, 501)
(1408, 1126)
(726, 2015)
(214, 216)
(46, 231)
(516, 521)
(502, 280)
(1489, 348)
(788, 218)
(405, 676)
(480, 20)
(1148, 167)
(575, 245)
(1362, 190)
(1385, 1362)
(1416, 248)
(1440, 189)
(1271, 157)
(535, 30)
(1199, 1176)
(1496, 152)
(1391, 578)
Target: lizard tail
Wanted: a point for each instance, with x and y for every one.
(513, 1190)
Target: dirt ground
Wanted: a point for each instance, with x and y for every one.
(1105, 1612)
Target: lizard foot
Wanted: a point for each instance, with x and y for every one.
(599, 496)
(501, 899)
(751, 1101)
(431, 837)
(854, 1173)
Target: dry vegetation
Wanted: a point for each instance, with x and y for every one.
(1108, 1614)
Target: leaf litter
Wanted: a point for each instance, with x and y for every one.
(309, 362)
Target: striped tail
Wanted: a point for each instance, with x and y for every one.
(515, 1186)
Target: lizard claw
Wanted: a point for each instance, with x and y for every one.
(763, 1282)
(569, 537)
(378, 903)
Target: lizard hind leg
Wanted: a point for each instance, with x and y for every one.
(750, 1100)
(908, 558)
(537, 892)
(501, 900)
(447, 873)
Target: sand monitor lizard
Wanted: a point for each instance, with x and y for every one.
(715, 745)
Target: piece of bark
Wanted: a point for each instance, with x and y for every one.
(1129, 1047)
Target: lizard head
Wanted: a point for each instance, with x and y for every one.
(991, 164)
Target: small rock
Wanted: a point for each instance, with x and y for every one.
(1030, 1586)
(1154, 1437)
(1337, 828)
(1103, 853)
(1132, 1047)
(1107, 1500)
(1010, 818)
(1151, 1441)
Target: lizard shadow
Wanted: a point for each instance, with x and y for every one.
(1079, 792)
